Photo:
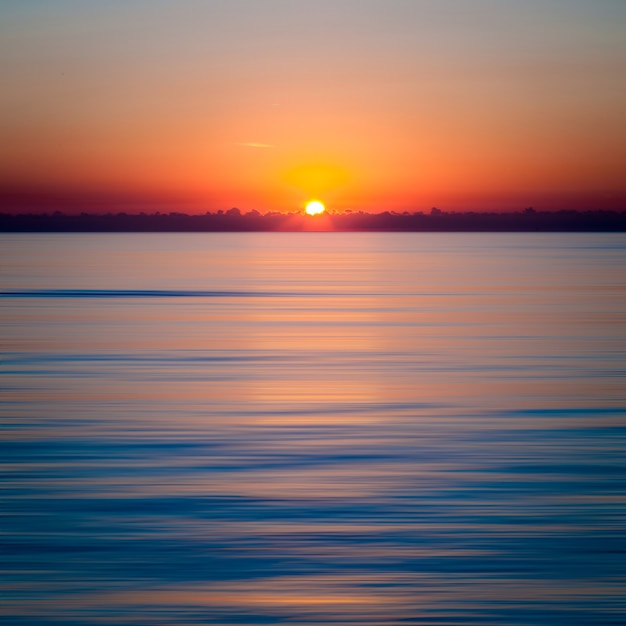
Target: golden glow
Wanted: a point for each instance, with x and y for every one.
(372, 129)
(315, 208)
(316, 179)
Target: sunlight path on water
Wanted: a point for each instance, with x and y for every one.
(321, 428)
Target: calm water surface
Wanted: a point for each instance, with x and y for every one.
(373, 429)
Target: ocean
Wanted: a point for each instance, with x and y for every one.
(313, 428)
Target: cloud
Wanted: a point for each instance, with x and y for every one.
(252, 144)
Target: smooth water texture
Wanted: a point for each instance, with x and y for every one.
(313, 428)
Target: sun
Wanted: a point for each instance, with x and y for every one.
(315, 208)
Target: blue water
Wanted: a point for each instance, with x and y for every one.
(313, 428)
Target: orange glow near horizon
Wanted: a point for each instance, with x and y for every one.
(317, 179)
(384, 116)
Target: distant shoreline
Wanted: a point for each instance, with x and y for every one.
(235, 221)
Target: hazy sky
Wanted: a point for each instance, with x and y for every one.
(365, 104)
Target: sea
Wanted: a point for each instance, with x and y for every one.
(380, 429)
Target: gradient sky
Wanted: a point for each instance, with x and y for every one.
(200, 105)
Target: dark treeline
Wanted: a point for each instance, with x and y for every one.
(528, 220)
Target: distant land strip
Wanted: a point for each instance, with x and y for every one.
(233, 220)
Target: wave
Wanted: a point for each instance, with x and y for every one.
(147, 293)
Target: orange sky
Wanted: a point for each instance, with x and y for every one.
(367, 105)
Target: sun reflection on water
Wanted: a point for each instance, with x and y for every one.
(359, 430)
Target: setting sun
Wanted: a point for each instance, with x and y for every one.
(315, 208)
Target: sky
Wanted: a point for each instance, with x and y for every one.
(374, 105)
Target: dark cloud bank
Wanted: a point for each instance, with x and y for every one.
(233, 220)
